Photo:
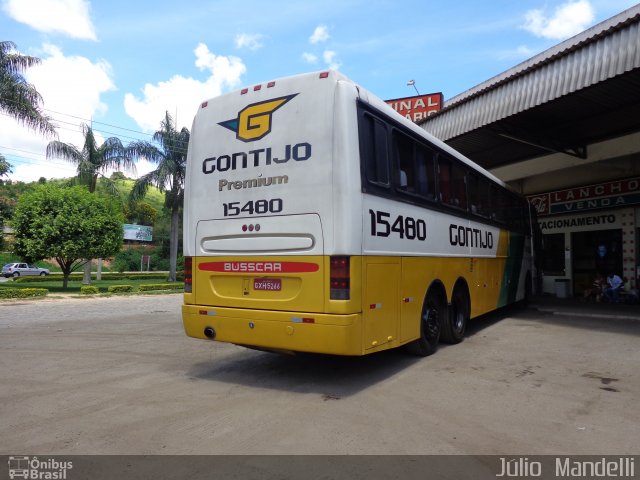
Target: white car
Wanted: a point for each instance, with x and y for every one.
(22, 269)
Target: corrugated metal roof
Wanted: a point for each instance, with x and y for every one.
(602, 52)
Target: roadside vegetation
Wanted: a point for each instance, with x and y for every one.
(155, 199)
(138, 283)
(67, 224)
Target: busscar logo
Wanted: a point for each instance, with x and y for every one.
(254, 121)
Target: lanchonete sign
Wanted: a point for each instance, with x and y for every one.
(591, 197)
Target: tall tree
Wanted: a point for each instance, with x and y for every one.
(92, 162)
(18, 98)
(169, 153)
(5, 167)
(68, 224)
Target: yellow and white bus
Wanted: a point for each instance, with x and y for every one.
(317, 219)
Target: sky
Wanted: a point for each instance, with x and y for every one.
(118, 65)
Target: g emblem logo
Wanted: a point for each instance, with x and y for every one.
(254, 121)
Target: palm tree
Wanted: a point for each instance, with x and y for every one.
(5, 167)
(20, 99)
(168, 177)
(93, 161)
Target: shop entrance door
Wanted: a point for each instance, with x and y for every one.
(595, 252)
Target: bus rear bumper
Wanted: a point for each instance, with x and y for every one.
(276, 330)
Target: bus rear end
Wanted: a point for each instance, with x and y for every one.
(267, 264)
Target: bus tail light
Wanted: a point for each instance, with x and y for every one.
(340, 278)
(188, 274)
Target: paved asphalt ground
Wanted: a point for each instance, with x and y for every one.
(118, 376)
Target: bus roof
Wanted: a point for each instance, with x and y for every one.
(375, 101)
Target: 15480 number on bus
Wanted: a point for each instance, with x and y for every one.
(384, 225)
(258, 207)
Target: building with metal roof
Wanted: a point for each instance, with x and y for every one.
(563, 127)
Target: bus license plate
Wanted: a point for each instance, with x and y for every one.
(271, 284)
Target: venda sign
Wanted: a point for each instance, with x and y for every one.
(417, 108)
(619, 193)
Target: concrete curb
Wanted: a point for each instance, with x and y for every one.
(574, 313)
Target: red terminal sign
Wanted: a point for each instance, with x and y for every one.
(417, 108)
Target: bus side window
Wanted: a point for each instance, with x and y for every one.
(516, 213)
(479, 195)
(425, 173)
(500, 204)
(376, 151)
(444, 181)
(403, 150)
(475, 205)
(459, 187)
(494, 194)
(484, 195)
(452, 184)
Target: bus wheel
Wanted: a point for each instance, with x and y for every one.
(433, 310)
(455, 324)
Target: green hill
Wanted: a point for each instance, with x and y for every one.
(154, 197)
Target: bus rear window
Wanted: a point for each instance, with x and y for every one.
(375, 151)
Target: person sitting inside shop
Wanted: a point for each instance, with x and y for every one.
(594, 293)
(612, 291)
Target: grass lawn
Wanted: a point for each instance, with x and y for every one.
(54, 284)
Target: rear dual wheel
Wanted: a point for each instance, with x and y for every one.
(433, 310)
(455, 324)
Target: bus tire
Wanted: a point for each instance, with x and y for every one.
(455, 324)
(433, 310)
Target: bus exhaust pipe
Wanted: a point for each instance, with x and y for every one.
(209, 332)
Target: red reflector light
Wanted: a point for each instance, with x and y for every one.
(308, 320)
(257, 87)
(340, 278)
(188, 274)
(271, 84)
(324, 74)
(204, 104)
(243, 91)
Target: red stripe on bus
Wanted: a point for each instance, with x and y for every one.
(259, 267)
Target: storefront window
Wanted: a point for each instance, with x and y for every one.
(553, 254)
